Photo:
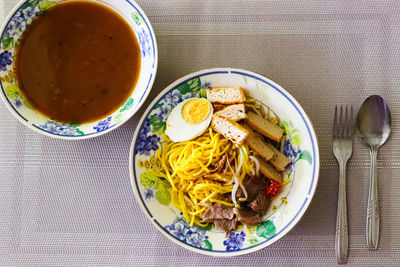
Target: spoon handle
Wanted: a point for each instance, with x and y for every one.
(341, 238)
(373, 206)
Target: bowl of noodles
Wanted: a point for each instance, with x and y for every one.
(205, 179)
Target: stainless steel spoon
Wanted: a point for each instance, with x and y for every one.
(373, 128)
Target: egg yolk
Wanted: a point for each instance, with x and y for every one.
(196, 110)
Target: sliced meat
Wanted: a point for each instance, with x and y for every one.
(253, 186)
(279, 160)
(261, 203)
(269, 171)
(218, 211)
(226, 225)
(264, 127)
(239, 193)
(256, 142)
(225, 197)
(219, 166)
(248, 216)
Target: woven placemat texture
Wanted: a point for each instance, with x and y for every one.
(71, 204)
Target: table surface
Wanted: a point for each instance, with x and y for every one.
(70, 203)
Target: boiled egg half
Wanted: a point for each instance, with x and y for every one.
(189, 119)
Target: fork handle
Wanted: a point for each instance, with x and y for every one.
(373, 206)
(341, 238)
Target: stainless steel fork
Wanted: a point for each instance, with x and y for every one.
(342, 148)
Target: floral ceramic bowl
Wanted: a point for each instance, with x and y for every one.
(286, 209)
(15, 24)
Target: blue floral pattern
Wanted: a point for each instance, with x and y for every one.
(188, 95)
(206, 85)
(291, 151)
(172, 98)
(103, 125)
(145, 142)
(145, 44)
(145, 129)
(18, 102)
(193, 236)
(22, 19)
(5, 60)
(149, 193)
(148, 144)
(234, 241)
(162, 112)
(60, 129)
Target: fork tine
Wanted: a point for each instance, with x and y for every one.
(351, 124)
(335, 126)
(341, 126)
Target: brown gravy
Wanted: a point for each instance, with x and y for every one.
(78, 62)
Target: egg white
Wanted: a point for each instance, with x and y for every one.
(179, 130)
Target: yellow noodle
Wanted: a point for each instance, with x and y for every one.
(209, 196)
(198, 211)
(222, 202)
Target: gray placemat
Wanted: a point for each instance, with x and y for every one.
(70, 203)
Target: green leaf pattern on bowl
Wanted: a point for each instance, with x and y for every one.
(137, 18)
(14, 93)
(158, 125)
(128, 104)
(266, 230)
(152, 183)
(192, 86)
(46, 5)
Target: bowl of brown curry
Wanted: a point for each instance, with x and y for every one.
(76, 69)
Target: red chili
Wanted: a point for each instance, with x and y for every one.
(272, 188)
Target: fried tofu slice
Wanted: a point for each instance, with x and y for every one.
(226, 95)
(235, 112)
(229, 128)
(264, 127)
(218, 107)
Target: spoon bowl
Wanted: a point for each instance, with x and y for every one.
(374, 122)
(373, 128)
